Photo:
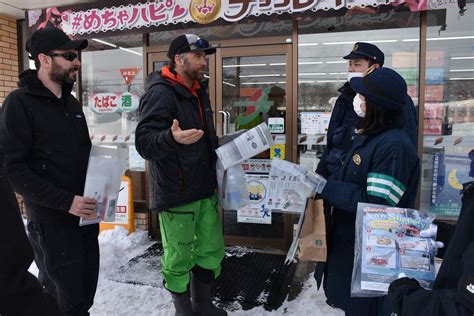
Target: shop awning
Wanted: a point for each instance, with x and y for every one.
(106, 16)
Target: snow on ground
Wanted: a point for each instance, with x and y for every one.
(123, 299)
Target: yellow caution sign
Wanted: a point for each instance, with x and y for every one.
(124, 213)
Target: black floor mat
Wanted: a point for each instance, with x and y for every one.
(249, 278)
(254, 279)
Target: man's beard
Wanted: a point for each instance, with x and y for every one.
(61, 75)
(195, 74)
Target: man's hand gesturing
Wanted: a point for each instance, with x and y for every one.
(83, 207)
(185, 137)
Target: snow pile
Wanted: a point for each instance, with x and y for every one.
(116, 298)
(117, 247)
(123, 299)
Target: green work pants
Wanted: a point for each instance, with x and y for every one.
(191, 235)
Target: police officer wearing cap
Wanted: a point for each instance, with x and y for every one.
(346, 115)
(381, 167)
(176, 134)
(45, 142)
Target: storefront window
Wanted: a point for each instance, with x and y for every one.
(112, 83)
(448, 153)
(322, 69)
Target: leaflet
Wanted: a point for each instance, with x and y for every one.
(387, 243)
(104, 171)
(290, 185)
(245, 146)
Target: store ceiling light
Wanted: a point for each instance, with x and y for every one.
(130, 51)
(277, 64)
(311, 74)
(336, 62)
(472, 78)
(308, 44)
(462, 57)
(229, 84)
(461, 70)
(257, 76)
(104, 42)
(449, 38)
(329, 81)
(353, 42)
(305, 81)
(244, 65)
(338, 73)
(310, 63)
(261, 82)
(439, 38)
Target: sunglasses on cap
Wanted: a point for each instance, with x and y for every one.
(199, 44)
(69, 56)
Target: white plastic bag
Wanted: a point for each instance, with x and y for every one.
(232, 187)
(104, 173)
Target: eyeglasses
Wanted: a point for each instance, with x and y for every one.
(70, 56)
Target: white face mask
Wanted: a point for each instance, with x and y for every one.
(357, 103)
(351, 75)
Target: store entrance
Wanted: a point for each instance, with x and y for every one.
(249, 85)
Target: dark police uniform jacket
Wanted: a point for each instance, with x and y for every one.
(341, 131)
(180, 174)
(383, 169)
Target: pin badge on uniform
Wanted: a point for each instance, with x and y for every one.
(357, 160)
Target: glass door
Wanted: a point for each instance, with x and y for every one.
(253, 86)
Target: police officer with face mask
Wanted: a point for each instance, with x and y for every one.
(381, 167)
(347, 114)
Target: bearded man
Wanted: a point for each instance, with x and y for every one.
(176, 135)
(45, 142)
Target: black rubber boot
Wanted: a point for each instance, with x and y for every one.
(201, 299)
(182, 303)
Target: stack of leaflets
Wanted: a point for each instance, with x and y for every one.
(388, 243)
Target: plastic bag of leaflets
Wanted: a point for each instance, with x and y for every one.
(387, 243)
(234, 149)
(104, 172)
(289, 181)
(287, 176)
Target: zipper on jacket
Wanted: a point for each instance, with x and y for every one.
(180, 174)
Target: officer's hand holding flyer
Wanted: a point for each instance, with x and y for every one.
(388, 243)
(104, 172)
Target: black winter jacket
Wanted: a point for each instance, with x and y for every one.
(453, 289)
(180, 174)
(46, 146)
(20, 291)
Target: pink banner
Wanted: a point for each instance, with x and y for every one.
(134, 16)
